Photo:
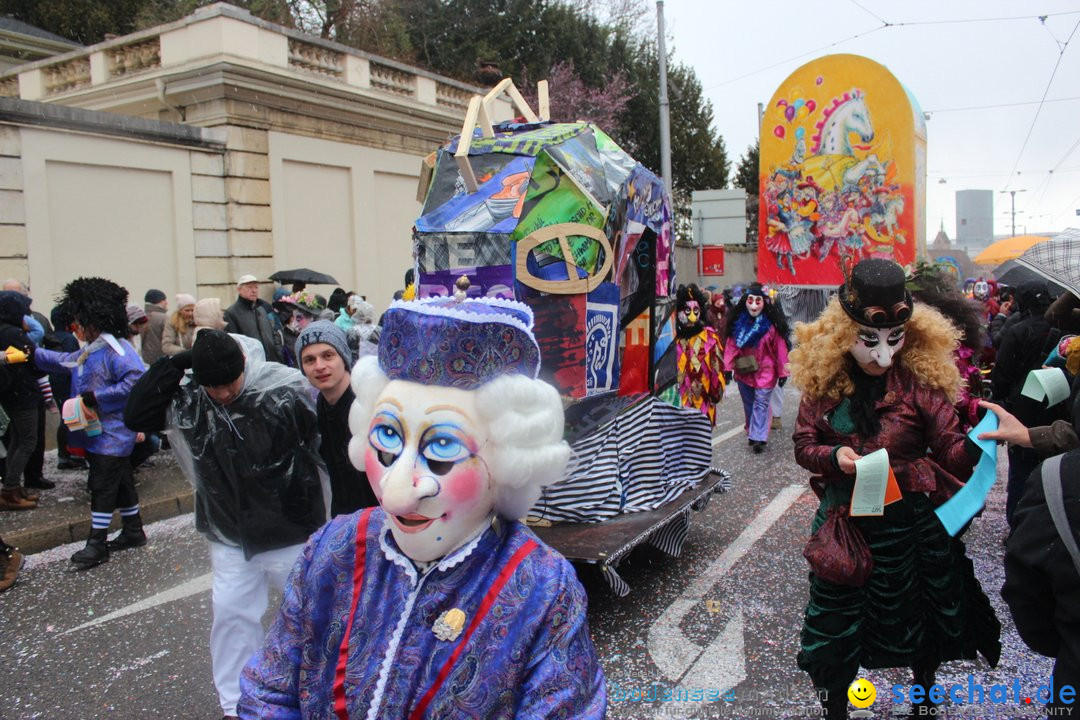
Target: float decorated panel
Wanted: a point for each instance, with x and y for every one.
(842, 172)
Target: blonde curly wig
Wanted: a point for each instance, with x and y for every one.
(818, 362)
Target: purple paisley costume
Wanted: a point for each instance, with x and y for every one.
(530, 655)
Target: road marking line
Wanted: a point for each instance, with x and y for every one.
(191, 587)
(727, 435)
(675, 654)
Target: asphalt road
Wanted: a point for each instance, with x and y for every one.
(129, 639)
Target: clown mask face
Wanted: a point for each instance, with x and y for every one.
(875, 348)
(981, 290)
(689, 313)
(754, 305)
(424, 459)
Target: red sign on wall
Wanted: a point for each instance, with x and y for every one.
(711, 260)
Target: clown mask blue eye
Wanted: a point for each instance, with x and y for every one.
(443, 451)
(386, 442)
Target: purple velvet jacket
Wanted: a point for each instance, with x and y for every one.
(530, 655)
(913, 419)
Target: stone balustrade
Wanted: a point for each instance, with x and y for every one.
(225, 31)
(68, 75)
(313, 58)
(133, 57)
(9, 86)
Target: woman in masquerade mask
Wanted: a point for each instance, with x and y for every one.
(756, 355)
(439, 602)
(876, 372)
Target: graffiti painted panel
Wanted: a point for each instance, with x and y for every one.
(602, 339)
(445, 251)
(447, 184)
(617, 163)
(635, 356)
(842, 151)
(520, 138)
(494, 207)
(580, 159)
(492, 281)
(560, 333)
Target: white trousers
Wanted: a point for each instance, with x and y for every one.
(239, 600)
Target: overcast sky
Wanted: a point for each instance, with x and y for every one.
(953, 55)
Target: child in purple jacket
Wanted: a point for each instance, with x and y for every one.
(102, 374)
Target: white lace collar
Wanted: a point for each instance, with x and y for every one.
(449, 561)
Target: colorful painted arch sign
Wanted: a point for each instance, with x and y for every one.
(842, 172)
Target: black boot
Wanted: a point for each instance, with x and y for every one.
(833, 704)
(95, 552)
(132, 536)
(926, 678)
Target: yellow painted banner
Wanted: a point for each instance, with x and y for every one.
(843, 172)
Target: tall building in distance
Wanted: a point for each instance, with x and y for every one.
(974, 218)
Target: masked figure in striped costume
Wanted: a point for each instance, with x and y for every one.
(700, 380)
(438, 603)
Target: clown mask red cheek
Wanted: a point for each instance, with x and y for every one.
(464, 484)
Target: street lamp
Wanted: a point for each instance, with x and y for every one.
(1012, 193)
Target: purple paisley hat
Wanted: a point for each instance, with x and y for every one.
(458, 343)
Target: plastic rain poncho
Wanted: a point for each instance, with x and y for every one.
(260, 483)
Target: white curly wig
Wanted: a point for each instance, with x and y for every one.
(525, 421)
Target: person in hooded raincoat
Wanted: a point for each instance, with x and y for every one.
(245, 433)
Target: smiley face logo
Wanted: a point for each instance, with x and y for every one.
(862, 693)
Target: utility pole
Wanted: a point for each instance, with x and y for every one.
(1012, 194)
(665, 120)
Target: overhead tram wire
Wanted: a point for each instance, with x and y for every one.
(1000, 105)
(1061, 54)
(867, 10)
(1051, 173)
(862, 33)
(884, 25)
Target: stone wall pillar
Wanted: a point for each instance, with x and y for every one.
(247, 196)
(13, 245)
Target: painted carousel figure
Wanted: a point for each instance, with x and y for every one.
(439, 603)
(877, 371)
(701, 379)
(756, 354)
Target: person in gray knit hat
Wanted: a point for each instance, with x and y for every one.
(324, 356)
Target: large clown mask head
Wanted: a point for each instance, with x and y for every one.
(438, 416)
(426, 463)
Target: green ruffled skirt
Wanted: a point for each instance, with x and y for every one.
(921, 606)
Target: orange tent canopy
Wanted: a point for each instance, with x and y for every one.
(1007, 249)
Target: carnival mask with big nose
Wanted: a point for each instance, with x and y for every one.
(875, 348)
(425, 461)
(689, 313)
(754, 305)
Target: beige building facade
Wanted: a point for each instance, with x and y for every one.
(186, 155)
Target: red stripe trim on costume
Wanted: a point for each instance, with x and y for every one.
(482, 611)
(358, 587)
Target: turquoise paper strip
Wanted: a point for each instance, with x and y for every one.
(955, 512)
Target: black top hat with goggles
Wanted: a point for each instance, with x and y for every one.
(874, 294)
